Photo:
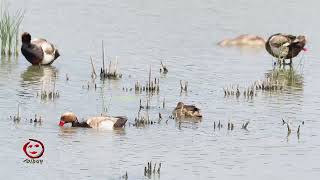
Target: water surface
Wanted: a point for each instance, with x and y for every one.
(184, 35)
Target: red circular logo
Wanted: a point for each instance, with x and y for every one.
(33, 149)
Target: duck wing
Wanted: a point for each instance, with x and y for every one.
(48, 48)
(191, 108)
(120, 122)
(276, 41)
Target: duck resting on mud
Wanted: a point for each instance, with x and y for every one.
(245, 40)
(101, 122)
(186, 111)
(38, 51)
(285, 46)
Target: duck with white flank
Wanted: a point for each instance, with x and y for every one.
(38, 51)
(187, 111)
(101, 122)
(285, 46)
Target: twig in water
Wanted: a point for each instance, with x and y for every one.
(94, 74)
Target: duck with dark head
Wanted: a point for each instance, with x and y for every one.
(101, 122)
(285, 46)
(38, 51)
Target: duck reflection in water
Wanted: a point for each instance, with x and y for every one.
(35, 78)
(36, 74)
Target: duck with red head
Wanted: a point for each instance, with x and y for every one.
(101, 122)
(285, 46)
(38, 51)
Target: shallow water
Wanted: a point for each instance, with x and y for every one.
(184, 35)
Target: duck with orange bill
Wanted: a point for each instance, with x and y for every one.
(100, 122)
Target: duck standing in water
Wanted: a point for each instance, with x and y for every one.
(285, 46)
(103, 122)
(188, 111)
(38, 51)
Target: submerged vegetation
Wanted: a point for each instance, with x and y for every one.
(9, 29)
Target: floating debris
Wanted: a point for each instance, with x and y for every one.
(183, 86)
(163, 68)
(245, 126)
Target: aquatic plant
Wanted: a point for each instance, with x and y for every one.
(148, 170)
(9, 29)
(16, 118)
(151, 86)
(112, 71)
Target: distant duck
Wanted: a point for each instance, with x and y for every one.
(101, 122)
(188, 111)
(38, 51)
(245, 40)
(285, 46)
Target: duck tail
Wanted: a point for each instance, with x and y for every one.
(120, 122)
(57, 54)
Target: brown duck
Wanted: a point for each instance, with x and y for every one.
(38, 51)
(188, 111)
(101, 122)
(285, 46)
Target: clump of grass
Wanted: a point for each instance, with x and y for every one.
(9, 29)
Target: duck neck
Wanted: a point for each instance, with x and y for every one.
(79, 124)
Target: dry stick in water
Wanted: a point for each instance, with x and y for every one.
(103, 69)
(54, 88)
(109, 69)
(164, 103)
(18, 114)
(150, 77)
(94, 74)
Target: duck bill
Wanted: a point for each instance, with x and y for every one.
(61, 123)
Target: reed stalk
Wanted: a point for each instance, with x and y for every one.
(9, 29)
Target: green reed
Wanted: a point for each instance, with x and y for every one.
(9, 29)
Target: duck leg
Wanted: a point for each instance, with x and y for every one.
(290, 63)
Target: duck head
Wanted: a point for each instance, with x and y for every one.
(301, 42)
(68, 117)
(26, 37)
(180, 105)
